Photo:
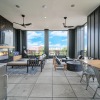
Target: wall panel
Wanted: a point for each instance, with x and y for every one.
(93, 27)
(79, 40)
(88, 35)
(96, 34)
(92, 35)
(71, 49)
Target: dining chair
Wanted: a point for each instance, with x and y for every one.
(25, 53)
(97, 74)
(88, 72)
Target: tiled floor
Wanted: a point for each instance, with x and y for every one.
(50, 85)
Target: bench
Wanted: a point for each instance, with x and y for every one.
(26, 63)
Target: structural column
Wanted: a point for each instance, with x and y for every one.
(46, 40)
(71, 43)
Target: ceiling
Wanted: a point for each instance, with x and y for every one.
(53, 10)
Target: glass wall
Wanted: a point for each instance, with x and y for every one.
(35, 42)
(85, 40)
(58, 43)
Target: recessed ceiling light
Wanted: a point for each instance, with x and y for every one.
(17, 6)
(72, 5)
(45, 17)
(44, 6)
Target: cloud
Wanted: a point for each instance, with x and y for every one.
(33, 34)
(50, 43)
(58, 33)
(30, 44)
(56, 46)
(64, 40)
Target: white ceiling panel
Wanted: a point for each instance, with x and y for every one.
(54, 11)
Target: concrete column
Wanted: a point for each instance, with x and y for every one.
(46, 42)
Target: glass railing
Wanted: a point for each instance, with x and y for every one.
(57, 53)
(35, 52)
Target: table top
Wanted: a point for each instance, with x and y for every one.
(94, 63)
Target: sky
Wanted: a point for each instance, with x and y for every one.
(57, 39)
(35, 38)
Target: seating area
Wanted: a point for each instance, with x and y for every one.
(49, 49)
(50, 84)
(33, 62)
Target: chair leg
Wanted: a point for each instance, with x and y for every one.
(95, 92)
(55, 67)
(81, 78)
(41, 67)
(65, 67)
(27, 68)
(87, 81)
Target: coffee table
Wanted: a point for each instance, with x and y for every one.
(74, 66)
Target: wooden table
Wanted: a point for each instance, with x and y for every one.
(94, 63)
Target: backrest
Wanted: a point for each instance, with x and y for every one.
(84, 66)
(79, 57)
(58, 61)
(33, 62)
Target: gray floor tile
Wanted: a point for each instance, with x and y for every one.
(29, 79)
(91, 80)
(94, 86)
(15, 78)
(46, 74)
(47, 70)
(87, 99)
(35, 74)
(21, 90)
(17, 98)
(44, 80)
(64, 98)
(10, 87)
(79, 73)
(71, 73)
(58, 73)
(80, 91)
(39, 98)
(62, 91)
(42, 90)
(75, 80)
(84, 99)
(60, 80)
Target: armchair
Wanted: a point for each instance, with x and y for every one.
(58, 64)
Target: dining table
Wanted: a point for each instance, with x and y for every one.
(93, 63)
